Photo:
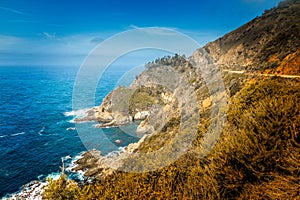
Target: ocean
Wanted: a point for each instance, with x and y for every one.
(36, 127)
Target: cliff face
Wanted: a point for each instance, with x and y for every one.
(267, 44)
(263, 43)
(152, 98)
(161, 97)
(257, 153)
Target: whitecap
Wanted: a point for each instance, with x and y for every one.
(41, 177)
(46, 144)
(41, 131)
(72, 121)
(122, 149)
(33, 190)
(54, 175)
(71, 129)
(2, 136)
(118, 141)
(72, 163)
(15, 134)
(79, 175)
(76, 113)
(66, 157)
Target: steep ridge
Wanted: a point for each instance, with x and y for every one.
(257, 154)
(269, 43)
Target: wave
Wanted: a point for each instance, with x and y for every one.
(66, 157)
(71, 128)
(78, 175)
(15, 134)
(54, 175)
(35, 189)
(77, 113)
(41, 131)
(73, 164)
(32, 190)
(2, 136)
(72, 121)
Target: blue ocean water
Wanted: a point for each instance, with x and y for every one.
(35, 122)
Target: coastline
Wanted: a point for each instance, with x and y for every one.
(76, 169)
(34, 189)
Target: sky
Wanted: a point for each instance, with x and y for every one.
(63, 32)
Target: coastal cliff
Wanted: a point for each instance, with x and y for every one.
(266, 45)
(269, 43)
(257, 154)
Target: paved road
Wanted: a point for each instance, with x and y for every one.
(247, 73)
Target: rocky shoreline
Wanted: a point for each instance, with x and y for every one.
(94, 165)
(147, 101)
(33, 190)
(110, 119)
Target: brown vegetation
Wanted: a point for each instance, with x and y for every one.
(257, 156)
(251, 47)
(258, 153)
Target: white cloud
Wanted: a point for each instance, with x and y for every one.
(45, 48)
(11, 10)
(49, 35)
(50, 47)
(201, 36)
(8, 40)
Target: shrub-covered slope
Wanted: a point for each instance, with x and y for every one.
(258, 153)
(257, 156)
(270, 42)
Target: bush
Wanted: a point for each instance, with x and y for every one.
(61, 189)
(257, 156)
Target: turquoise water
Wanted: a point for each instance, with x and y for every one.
(36, 130)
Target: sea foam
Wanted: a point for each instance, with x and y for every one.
(15, 134)
(41, 131)
(76, 113)
(71, 128)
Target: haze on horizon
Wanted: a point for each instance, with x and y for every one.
(53, 32)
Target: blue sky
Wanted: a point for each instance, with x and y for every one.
(61, 32)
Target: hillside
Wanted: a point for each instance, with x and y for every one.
(269, 43)
(256, 155)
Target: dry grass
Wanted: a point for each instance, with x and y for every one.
(257, 157)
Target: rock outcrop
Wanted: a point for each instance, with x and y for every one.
(259, 46)
(97, 166)
(263, 43)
